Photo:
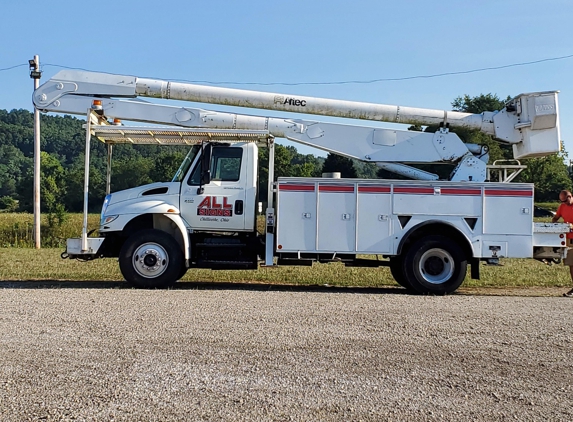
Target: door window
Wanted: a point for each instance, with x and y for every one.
(225, 166)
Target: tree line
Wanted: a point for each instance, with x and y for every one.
(62, 162)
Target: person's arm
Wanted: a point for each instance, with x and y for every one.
(557, 215)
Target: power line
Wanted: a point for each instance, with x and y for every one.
(14, 67)
(461, 72)
(347, 82)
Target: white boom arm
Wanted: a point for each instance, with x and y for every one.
(529, 121)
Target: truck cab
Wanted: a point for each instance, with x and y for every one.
(204, 217)
(219, 187)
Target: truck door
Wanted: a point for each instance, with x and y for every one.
(218, 205)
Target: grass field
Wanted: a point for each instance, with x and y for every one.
(19, 261)
(46, 264)
(16, 229)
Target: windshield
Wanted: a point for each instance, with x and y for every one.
(189, 158)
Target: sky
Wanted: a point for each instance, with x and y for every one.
(311, 44)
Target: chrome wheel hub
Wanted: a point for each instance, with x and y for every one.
(150, 260)
(436, 266)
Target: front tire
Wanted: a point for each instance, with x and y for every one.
(435, 265)
(151, 259)
(182, 272)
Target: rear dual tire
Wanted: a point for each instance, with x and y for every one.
(431, 265)
(397, 271)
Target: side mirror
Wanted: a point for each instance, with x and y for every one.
(206, 164)
(205, 167)
(206, 177)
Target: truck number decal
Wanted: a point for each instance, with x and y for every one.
(211, 206)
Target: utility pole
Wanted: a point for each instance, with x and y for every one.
(36, 74)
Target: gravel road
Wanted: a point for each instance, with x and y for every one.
(101, 352)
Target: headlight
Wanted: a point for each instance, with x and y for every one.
(108, 219)
(104, 208)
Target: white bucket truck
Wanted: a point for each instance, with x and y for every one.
(426, 230)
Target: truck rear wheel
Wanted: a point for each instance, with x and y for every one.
(435, 264)
(397, 271)
(151, 259)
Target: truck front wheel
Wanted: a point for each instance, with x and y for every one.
(435, 264)
(151, 259)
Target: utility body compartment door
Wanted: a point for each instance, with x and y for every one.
(296, 217)
(336, 217)
(374, 218)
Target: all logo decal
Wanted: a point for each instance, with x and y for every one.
(211, 206)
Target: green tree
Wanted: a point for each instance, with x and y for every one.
(466, 104)
(12, 162)
(549, 174)
(366, 170)
(305, 165)
(166, 165)
(53, 188)
(129, 173)
(338, 163)
(8, 204)
(52, 181)
(63, 138)
(282, 167)
(288, 163)
(477, 105)
(283, 158)
(74, 198)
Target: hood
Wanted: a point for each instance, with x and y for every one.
(159, 188)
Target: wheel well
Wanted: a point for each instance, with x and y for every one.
(140, 222)
(435, 228)
(153, 221)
